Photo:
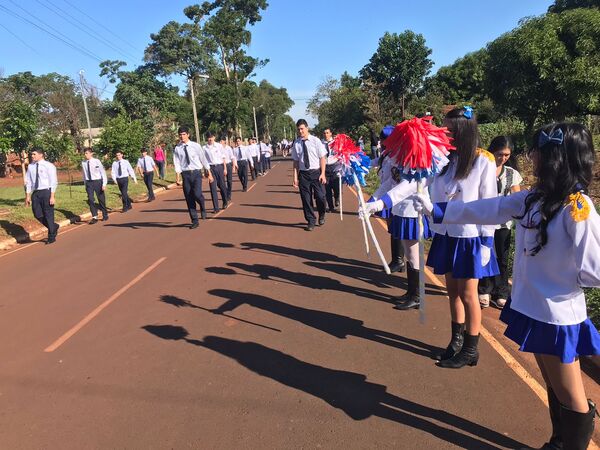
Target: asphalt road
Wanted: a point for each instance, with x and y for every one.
(247, 332)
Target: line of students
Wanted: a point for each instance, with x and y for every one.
(557, 243)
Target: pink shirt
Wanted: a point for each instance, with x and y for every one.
(159, 154)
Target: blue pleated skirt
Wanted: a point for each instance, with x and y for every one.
(407, 228)
(461, 257)
(384, 213)
(565, 341)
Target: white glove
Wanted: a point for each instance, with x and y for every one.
(486, 254)
(370, 209)
(422, 203)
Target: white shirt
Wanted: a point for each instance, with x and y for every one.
(242, 153)
(45, 172)
(331, 158)
(546, 286)
(316, 151)
(254, 150)
(196, 155)
(96, 171)
(126, 170)
(213, 153)
(228, 154)
(265, 149)
(480, 184)
(507, 179)
(150, 164)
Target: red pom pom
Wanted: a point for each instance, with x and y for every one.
(344, 147)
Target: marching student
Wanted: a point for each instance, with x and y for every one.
(218, 167)
(309, 155)
(230, 163)
(41, 182)
(120, 172)
(255, 152)
(190, 162)
(147, 167)
(95, 181)
(558, 242)
(243, 159)
(332, 169)
(265, 149)
(508, 180)
(463, 253)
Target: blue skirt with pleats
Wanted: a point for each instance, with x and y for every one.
(461, 257)
(407, 228)
(565, 341)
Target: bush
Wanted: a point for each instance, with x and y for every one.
(506, 127)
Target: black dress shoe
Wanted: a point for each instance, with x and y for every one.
(51, 240)
(193, 225)
(93, 221)
(216, 211)
(321, 220)
(337, 202)
(310, 227)
(105, 218)
(203, 215)
(245, 190)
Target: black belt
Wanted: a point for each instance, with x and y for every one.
(190, 170)
(42, 190)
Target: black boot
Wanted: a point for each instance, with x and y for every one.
(411, 299)
(468, 355)
(577, 428)
(555, 442)
(456, 342)
(397, 262)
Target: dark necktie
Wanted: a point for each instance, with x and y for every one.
(119, 172)
(89, 171)
(327, 147)
(305, 154)
(37, 176)
(187, 155)
(145, 167)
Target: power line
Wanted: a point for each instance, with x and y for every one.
(20, 40)
(63, 15)
(100, 25)
(66, 41)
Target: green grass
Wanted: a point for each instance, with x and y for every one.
(71, 201)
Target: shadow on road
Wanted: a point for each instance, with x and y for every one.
(347, 391)
(266, 205)
(255, 221)
(14, 230)
(168, 210)
(136, 225)
(333, 324)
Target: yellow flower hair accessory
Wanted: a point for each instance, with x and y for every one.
(580, 208)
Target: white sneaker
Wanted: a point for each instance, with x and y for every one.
(484, 300)
(499, 303)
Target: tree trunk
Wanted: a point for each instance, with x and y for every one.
(22, 156)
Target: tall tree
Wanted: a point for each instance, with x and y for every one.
(399, 65)
(562, 5)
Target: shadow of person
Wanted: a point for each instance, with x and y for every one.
(15, 230)
(256, 221)
(136, 225)
(330, 323)
(266, 272)
(347, 391)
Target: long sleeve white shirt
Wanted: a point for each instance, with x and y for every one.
(93, 170)
(479, 184)
(126, 170)
(546, 286)
(45, 172)
(197, 159)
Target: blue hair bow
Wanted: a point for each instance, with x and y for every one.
(468, 112)
(556, 137)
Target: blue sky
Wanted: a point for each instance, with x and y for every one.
(304, 41)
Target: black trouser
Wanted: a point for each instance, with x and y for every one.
(254, 170)
(43, 211)
(332, 188)
(123, 184)
(192, 191)
(161, 168)
(229, 180)
(218, 181)
(243, 173)
(148, 178)
(498, 285)
(263, 163)
(268, 162)
(95, 187)
(308, 181)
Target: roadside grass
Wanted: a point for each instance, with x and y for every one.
(71, 201)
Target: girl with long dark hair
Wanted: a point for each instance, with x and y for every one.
(557, 247)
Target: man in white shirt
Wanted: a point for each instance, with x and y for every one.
(95, 181)
(190, 163)
(255, 152)
(332, 168)
(230, 163)
(265, 155)
(40, 185)
(309, 155)
(147, 167)
(120, 172)
(218, 168)
(244, 160)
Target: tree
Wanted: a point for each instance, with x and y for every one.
(124, 134)
(18, 126)
(275, 104)
(399, 65)
(563, 5)
(548, 68)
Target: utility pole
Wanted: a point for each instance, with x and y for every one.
(87, 114)
(255, 126)
(196, 127)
